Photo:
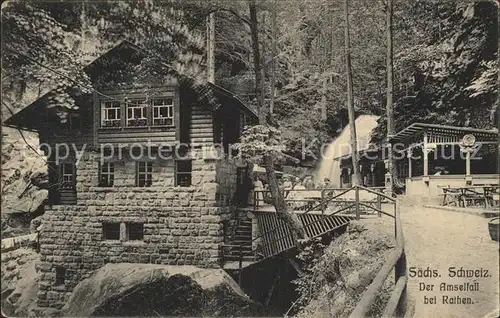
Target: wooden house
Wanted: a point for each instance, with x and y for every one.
(136, 173)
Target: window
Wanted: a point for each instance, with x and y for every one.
(163, 112)
(144, 174)
(106, 174)
(110, 114)
(67, 175)
(183, 173)
(73, 122)
(135, 231)
(60, 275)
(111, 231)
(137, 113)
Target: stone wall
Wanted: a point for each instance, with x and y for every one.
(182, 225)
(226, 180)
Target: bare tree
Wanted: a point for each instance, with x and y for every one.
(278, 200)
(356, 180)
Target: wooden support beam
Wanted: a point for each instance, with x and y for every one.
(426, 154)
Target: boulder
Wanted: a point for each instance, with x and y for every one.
(159, 290)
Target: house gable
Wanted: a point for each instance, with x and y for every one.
(169, 99)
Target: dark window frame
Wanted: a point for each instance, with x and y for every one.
(143, 173)
(60, 275)
(106, 174)
(67, 178)
(134, 231)
(183, 175)
(110, 234)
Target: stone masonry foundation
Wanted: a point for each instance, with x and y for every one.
(181, 225)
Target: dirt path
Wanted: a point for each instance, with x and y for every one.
(437, 240)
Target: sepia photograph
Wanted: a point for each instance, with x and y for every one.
(250, 158)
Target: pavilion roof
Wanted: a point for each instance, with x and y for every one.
(417, 128)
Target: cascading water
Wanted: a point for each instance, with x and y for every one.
(328, 167)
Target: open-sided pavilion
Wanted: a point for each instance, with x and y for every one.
(430, 156)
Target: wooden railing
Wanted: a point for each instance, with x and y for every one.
(240, 258)
(396, 306)
(279, 237)
(325, 196)
(397, 302)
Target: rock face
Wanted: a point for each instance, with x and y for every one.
(19, 282)
(159, 290)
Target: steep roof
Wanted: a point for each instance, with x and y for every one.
(28, 118)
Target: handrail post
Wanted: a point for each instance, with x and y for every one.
(379, 203)
(400, 267)
(357, 202)
(400, 271)
(323, 207)
(221, 255)
(240, 280)
(254, 200)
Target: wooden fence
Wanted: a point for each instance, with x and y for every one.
(397, 304)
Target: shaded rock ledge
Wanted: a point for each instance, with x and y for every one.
(159, 290)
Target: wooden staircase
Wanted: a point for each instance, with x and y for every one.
(239, 242)
(323, 216)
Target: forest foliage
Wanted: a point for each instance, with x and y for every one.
(445, 56)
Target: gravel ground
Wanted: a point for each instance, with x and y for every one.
(437, 240)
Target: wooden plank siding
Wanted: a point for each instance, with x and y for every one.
(78, 138)
(137, 135)
(201, 129)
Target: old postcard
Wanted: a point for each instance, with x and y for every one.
(249, 158)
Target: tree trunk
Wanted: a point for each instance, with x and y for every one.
(498, 92)
(278, 200)
(211, 48)
(390, 88)
(323, 99)
(356, 180)
(273, 56)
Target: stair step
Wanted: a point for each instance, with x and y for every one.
(243, 246)
(244, 258)
(245, 231)
(245, 236)
(248, 228)
(242, 242)
(244, 253)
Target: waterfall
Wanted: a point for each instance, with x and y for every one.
(330, 168)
